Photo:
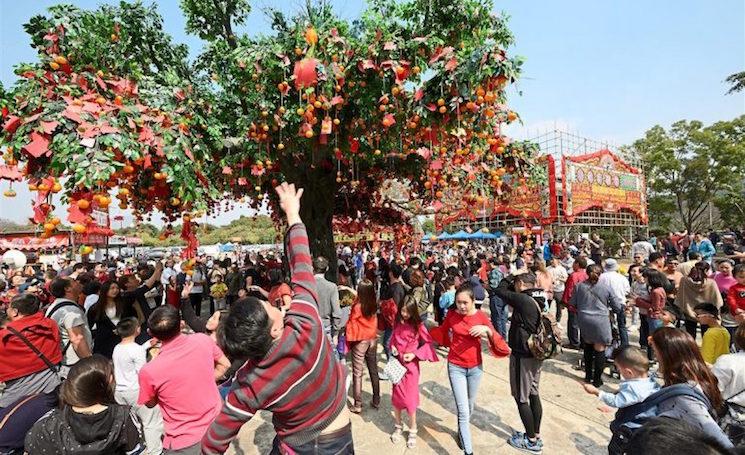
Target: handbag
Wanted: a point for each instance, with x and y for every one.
(341, 346)
(394, 370)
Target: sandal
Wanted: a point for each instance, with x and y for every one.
(357, 409)
(396, 435)
(411, 441)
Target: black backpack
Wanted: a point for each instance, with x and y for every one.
(631, 418)
(545, 341)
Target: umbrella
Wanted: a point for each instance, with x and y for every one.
(460, 235)
(227, 247)
(445, 236)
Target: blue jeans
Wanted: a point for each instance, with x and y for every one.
(623, 332)
(499, 315)
(465, 385)
(387, 342)
(653, 324)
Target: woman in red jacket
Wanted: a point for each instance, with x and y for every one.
(462, 330)
(362, 336)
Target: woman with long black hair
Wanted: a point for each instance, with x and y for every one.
(104, 315)
(681, 362)
(89, 420)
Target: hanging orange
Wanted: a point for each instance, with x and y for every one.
(311, 37)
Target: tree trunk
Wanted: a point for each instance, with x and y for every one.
(317, 210)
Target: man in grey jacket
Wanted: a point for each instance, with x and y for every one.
(328, 299)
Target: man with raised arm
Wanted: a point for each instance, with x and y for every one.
(290, 369)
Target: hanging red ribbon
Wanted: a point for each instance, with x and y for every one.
(192, 243)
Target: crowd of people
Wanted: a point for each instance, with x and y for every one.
(107, 358)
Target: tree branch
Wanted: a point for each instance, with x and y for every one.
(227, 25)
(227, 33)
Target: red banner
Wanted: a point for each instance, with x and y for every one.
(534, 202)
(602, 180)
(30, 242)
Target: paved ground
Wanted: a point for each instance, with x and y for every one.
(572, 422)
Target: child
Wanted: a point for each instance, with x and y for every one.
(447, 299)
(716, 338)
(657, 297)
(410, 343)
(129, 357)
(636, 385)
(219, 292)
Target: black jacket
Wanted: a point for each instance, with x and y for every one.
(525, 314)
(65, 432)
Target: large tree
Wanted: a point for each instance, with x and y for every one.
(689, 167)
(409, 98)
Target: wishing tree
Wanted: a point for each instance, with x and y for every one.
(410, 97)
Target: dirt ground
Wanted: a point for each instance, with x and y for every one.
(572, 421)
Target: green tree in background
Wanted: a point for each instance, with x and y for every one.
(737, 81)
(690, 166)
(244, 230)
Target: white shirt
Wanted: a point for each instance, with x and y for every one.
(89, 302)
(559, 276)
(616, 283)
(567, 263)
(730, 371)
(128, 359)
(168, 272)
(67, 318)
(111, 314)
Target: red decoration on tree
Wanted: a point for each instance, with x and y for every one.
(305, 73)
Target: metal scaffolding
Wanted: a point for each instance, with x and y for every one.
(559, 143)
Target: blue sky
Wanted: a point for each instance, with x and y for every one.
(608, 70)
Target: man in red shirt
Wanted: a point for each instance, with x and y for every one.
(181, 380)
(290, 368)
(576, 277)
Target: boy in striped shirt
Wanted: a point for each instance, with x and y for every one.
(289, 370)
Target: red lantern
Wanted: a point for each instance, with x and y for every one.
(305, 73)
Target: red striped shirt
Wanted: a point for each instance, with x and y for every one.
(299, 380)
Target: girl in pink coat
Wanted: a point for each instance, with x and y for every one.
(410, 343)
